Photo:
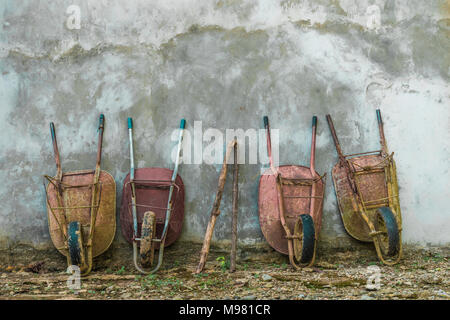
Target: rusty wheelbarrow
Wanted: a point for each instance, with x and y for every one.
(81, 208)
(290, 206)
(152, 208)
(367, 193)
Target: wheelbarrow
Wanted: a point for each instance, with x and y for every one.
(367, 193)
(81, 209)
(290, 206)
(152, 208)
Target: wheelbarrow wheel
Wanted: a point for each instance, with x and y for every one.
(304, 245)
(148, 230)
(388, 233)
(75, 244)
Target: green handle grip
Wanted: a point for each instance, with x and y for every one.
(130, 123)
(101, 121)
(182, 124)
(379, 116)
(266, 121)
(314, 121)
(52, 130)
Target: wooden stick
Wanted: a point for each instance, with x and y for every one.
(215, 210)
(235, 212)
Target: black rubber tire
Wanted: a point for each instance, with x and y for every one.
(75, 243)
(306, 245)
(390, 241)
(148, 229)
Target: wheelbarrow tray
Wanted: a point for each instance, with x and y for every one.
(105, 224)
(153, 199)
(269, 214)
(373, 186)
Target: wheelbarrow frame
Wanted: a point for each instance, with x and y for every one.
(301, 247)
(69, 188)
(149, 241)
(366, 184)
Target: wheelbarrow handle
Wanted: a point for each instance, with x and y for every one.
(101, 126)
(335, 138)
(269, 142)
(169, 200)
(130, 138)
(381, 130)
(379, 116)
(52, 131)
(180, 143)
(133, 196)
(56, 151)
(101, 122)
(313, 145)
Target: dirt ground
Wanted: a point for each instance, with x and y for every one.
(261, 274)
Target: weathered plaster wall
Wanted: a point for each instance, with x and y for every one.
(227, 63)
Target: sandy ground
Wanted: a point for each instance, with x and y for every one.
(422, 274)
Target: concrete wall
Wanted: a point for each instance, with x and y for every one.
(226, 63)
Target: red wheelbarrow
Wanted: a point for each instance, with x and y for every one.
(367, 193)
(152, 208)
(290, 206)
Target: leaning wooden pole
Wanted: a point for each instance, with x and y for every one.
(215, 210)
(235, 212)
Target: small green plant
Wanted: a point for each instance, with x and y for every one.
(438, 258)
(209, 283)
(152, 280)
(121, 270)
(201, 275)
(224, 263)
(245, 266)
